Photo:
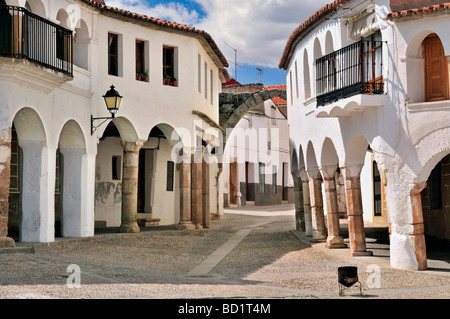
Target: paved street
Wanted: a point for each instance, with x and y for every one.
(249, 253)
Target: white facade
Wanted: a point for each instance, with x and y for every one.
(260, 137)
(51, 111)
(407, 135)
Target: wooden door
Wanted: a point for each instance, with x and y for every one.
(436, 70)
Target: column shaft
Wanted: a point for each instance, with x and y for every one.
(318, 219)
(185, 193)
(306, 202)
(418, 236)
(298, 200)
(196, 189)
(130, 187)
(353, 199)
(334, 240)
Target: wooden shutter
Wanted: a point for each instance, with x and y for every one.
(436, 70)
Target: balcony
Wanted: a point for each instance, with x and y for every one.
(26, 36)
(350, 72)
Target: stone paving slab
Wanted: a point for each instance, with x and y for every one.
(270, 261)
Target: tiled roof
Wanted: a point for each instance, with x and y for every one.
(419, 11)
(99, 4)
(305, 26)
(231, 82)
(278, 101)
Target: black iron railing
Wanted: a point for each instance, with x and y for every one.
(24, 35)
(355, 69)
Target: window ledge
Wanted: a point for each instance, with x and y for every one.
(428, 106)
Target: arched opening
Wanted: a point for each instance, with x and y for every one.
(36, 7)
(317, 54)
(27, 188)
(306, 75)
(81, 45)
(70, 180)
(158, 181)
(109, 173)
(435, 198)
(427, 68)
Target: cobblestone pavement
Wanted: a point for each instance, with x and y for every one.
(252, 253)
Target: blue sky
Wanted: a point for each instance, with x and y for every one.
(257, 29)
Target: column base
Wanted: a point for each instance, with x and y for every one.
(185, 226)
(129, 228)
(6, 242)
(199, 226)
(361, 253)
(336, 246)
(318, 240)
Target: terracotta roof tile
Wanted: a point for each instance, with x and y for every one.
(278, 101)
(305, 26)
(99, 4)
(419, 11)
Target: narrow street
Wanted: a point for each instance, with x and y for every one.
(249, 253)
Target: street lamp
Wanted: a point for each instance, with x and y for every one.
(112, 101)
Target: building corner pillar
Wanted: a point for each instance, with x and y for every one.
(353, 199)
(5, 171)
(130, 187)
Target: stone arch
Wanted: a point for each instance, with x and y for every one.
(72, 180)
(126, 129)
(301, 157)
(355, 150)
(33, 189)
(294, 161)
(235, 106)
(37, 7)
(63, 17)
(311, 159)
(430, 150)
(329, 155)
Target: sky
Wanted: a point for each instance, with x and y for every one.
(255, 30)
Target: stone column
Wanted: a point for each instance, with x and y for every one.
(334, 240)
(353, 198)
(5, 166)
(206, 213)
(318, 219)
(298, 197)
(130, 187)
(418, 236)
(306, 202)
(196, 188)
(185, 193)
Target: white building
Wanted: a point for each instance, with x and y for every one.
(57, 60)
(256, 168)
(368, 96)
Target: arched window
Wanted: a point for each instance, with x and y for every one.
(436, 69)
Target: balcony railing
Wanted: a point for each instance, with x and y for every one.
(24, 35)
(355, 69)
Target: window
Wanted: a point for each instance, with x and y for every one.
(274, 179)
(15, 160)
(376, 191)
(211, 82)
(169, 71)
(206, 80)
(199, 73)
(296, 79)
(435, 185)
(170, 176)
(113, 54)
(262, 177)
(116, 168)
(141, 68)
(292, 88)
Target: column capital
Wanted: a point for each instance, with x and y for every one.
(132, 146)
(314, 173)
(304, 175)
(328, 172)
(351, 171)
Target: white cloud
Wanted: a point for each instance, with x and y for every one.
(257, 29)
